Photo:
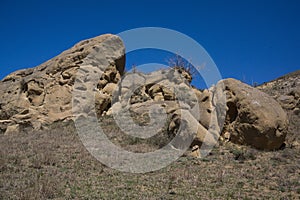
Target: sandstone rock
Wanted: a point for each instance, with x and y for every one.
(168, 94)
(109, 88)
(46, 90)
(226, 136)
(101, 83)
(156, 77)
(183, 74)
(195, 151)
(11, 129)
(4, 124)
(138, 94)
(158, 96)
(189, 131)
(287, 85)
(102, 104)
(155, 89)
(93, 68)
(253, 117)
(111, 75)
(133, 81)
(205, 108)
(287, 101)
(143, 94)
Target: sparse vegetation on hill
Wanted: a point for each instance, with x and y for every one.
(42, 156)
(53, 164)
(286, 90)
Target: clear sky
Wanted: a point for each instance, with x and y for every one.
(254, 41)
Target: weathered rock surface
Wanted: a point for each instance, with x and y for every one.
(205, 107)
(90, 77)
(42, 95)
(286, 90)
(146, 94)
(165, 99)
(253, 117)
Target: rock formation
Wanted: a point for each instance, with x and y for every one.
(163, 93)
(40, 96)
(253, 117)
(286, 90)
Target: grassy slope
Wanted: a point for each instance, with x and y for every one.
(53, 164)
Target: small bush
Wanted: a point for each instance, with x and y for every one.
(180, 64)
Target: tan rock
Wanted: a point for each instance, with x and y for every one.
(102, 83)
(226, 136)
(288, 87)
(44, 95)
(287, 101)
(102, 102)
(200, 135)
(46, 90)
(195, 151)
(133, 81)
(34, 88)
(109, 88)
(159, 96)
(254, 118)
(69, 73)
(12, 129)
(168, 94)
(110, 74)
(205, 108)
(154, 90)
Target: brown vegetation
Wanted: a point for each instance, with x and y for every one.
(53, 164)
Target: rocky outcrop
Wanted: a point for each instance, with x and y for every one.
(286, 90)
(42, 95)
(165, 99)
(90, 77)
(253, 117)
(160, 96)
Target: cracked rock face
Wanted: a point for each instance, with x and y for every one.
(42, 95)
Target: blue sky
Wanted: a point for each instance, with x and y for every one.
(254, 41)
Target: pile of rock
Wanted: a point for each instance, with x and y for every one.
(40, 96)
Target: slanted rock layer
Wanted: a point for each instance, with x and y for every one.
(42, 95)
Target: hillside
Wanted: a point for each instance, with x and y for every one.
(286, 90)
(49, 144)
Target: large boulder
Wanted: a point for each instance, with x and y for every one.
(43, 95)
(253, 117)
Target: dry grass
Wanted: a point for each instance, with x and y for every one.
(53, 164)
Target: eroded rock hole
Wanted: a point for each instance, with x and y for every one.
(232, 112)
(205, 99)
(24, 86)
